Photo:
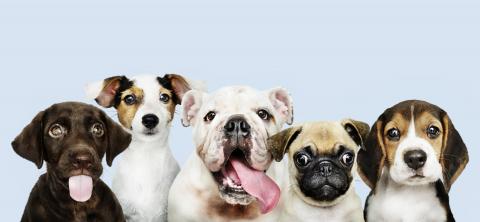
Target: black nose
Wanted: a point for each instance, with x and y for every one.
(83, 161)
(237, 126)
(150, 121)
(324, 168)
(415, 159)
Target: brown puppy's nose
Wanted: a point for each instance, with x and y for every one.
(237, 126)
(415, 159)
(83, 161)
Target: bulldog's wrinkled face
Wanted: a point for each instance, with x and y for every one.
(321, 158)
(230, 130)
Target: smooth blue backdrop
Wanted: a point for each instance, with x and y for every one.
(337, 58)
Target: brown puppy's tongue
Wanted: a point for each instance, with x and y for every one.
(80, 187)
(257, 184)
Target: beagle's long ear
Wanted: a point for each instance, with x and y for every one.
(29, 143)
(357, 130)
(371, 157)
(118, 139)
(178, 84)
(279, 143)
(454, 156)
(104, 92)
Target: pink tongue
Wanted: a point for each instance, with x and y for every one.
(257, 184)
(80, 187)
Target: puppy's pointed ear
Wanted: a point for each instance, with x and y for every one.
(105, 91)
(29, 143)
(192, 102)
(118, 139)
(357, 130)
(371, 156)
(177, 83)
(282, 103)
(279, 143)
(454, 156)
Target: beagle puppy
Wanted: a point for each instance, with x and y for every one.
(321, 164)
(412, 156)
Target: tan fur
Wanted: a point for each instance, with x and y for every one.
(126, 113)
(422, 122)
(401, 123)
(170, 103)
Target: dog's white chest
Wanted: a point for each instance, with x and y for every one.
(142, 181)
(406, 204)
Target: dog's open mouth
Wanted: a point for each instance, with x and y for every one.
(239, 183)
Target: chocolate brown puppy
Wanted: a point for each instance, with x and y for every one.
(72, 139)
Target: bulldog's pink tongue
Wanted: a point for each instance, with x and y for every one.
(80, 187)
(257, 184)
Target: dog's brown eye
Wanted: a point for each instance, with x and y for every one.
(97, 130)
(263, 114)
(164, 97)
(393, 134)
(210, 116)
(57, 131)
(130, 99)
(347, 159)
(302, 159)
(433, 132)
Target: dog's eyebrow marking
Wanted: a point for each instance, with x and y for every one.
(411, 128)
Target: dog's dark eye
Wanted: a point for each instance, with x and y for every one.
(263, 114)
(302, 159)
(130, 99)
(164, 97)
(347, 159)
(433, 132)
(210, 116)
(57, 131)
(393, 134)
(97, 130)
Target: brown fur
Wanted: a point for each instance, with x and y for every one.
(450, 149)
(49, 199)
(217, 207)
(126, 113)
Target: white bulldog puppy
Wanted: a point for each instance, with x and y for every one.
(226, 179)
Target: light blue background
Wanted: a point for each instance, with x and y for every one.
(337, 58)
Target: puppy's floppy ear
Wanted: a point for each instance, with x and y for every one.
(279, 143)
(105, 91)
(29, 143)
(283, 104)
(192, 102)
(371, 157)
(118, 139)
(454, 156)
(357, 130)
(178, 84)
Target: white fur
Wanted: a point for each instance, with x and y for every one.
(393, 202)
(401, 173)
(400, 198)
(194, 185)
(147, 168)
